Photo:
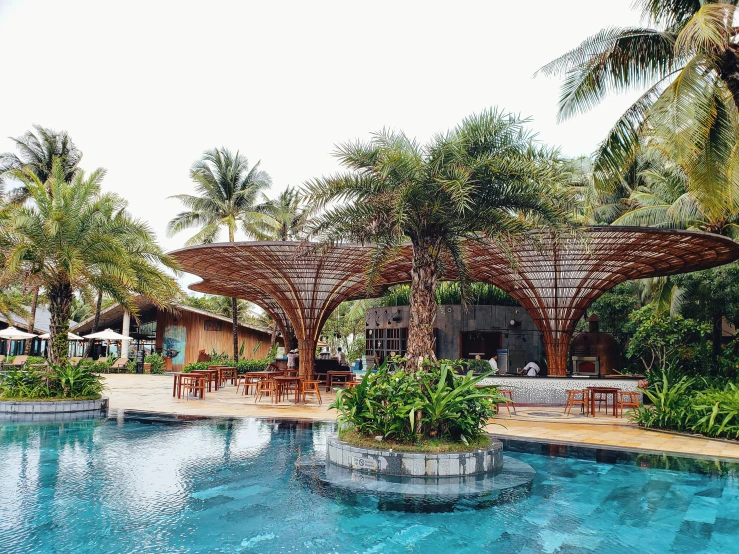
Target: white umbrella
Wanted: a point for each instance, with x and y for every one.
(12, 333)
(108, 334)
(70, 336)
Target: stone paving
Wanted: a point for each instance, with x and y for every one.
(153, 393)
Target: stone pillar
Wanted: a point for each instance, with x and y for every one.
(125, 331)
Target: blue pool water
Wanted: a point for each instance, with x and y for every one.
(143, 485)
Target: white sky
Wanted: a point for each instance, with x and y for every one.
(144, 87)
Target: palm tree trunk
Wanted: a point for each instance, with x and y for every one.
(95, 322)
(60, 305)
(32, 319)
(421, 340)
(235, 324)
(729, 71)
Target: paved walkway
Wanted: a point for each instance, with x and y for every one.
(153, 393)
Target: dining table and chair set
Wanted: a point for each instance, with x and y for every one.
(587, 399)
(273, 384)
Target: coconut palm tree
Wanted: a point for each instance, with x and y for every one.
(288, 215)
(228, 194)
(689, 61)
(486, 176)
(79, 238)
(36, 153)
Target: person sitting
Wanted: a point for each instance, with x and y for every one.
(531, 369)
(494, 363)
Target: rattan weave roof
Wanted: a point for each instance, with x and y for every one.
(555, 280)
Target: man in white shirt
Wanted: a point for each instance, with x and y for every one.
(341, 356)
(494, 362)
(531, 369)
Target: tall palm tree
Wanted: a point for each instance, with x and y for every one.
(36, 154)
(227, 196)
(689, 62)
(486, 176)
(288, 215)
(79, 237)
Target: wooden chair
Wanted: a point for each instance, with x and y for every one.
(508, 394)
(229, 374)
(265, 387)
(600, 398)
(250, 382)
(19, 361)
(193, 384)
(311, 387)
(627, 399)
(577, 397)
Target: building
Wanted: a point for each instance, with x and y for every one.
(179, 334)
(40, 326)
(461, 334)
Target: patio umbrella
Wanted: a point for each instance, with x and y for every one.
(70, 336)
(11, 334)
(108, 334)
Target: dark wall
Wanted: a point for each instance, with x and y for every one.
(522, 339)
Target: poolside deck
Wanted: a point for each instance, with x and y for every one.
(153, 393)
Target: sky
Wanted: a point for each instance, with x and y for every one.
(144, 87)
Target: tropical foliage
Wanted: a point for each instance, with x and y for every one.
(688, 404)
(408, 406)
(74, 237)
(61, 382)
(688, 61)
(287, 215)
(228, 196)
(487, 176)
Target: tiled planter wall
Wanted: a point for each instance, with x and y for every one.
(388, 462)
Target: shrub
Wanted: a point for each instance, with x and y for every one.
(408, 406)
(35, 360)
(156, 362)
(63, 381)
(94, 365)
(680, 406)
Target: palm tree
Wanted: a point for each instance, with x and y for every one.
(36, 154)
(689, 60)
(288, 215)
(227, 193)
(79, 238)
(486, 176)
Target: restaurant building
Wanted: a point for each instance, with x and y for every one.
(178, 333)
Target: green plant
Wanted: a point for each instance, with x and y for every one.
(228, 195)
(62, 381)
(409, 406)
(35, 360)
(73, 236)
(96, 366)
(488, 175)
(156, 363)
(131, 366)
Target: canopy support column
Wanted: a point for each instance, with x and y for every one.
(307, 357)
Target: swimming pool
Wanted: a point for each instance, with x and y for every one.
(151, 484)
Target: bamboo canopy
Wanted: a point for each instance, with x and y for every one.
(554, 278)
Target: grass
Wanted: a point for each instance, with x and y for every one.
(47, 399)
(432, 446)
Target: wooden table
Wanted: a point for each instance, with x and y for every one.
(213, 376)
(281, 384)
(176, 390)
(613, 391)
(331, 375)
